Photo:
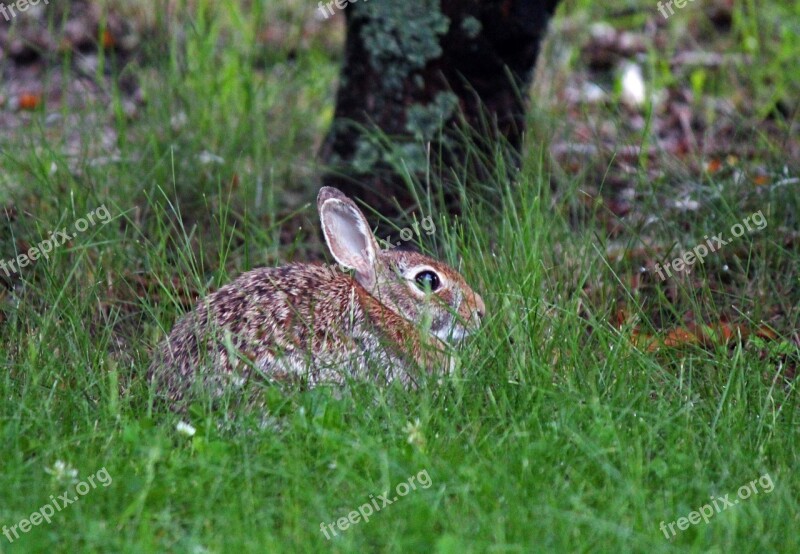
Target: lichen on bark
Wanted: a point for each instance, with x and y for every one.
(425, 121)
(400, 37)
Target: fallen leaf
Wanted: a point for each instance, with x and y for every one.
(714, 165)
(29, 101)
(107, 39)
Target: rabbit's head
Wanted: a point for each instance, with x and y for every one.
(424, 291)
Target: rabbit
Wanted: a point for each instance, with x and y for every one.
(395, 315)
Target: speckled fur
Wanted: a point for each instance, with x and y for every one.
(318, 324)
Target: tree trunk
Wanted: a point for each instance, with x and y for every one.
(425, 74)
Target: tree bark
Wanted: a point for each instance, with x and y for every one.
(444, 81)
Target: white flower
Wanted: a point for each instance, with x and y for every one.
(185, 429)
(208, 158)
(63, 472)
(415, 435)
(633, 89)
(178, 121)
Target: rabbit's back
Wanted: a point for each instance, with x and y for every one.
(296, 321)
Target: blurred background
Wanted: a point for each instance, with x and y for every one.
(598, 400)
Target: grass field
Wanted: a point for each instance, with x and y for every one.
(597, 402)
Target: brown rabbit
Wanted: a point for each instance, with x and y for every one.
(396, 314)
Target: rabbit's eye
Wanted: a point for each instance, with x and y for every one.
(427, 280)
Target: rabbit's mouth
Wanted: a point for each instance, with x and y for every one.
(461, 322)
(452, 335)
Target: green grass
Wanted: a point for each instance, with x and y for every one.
(558, 431)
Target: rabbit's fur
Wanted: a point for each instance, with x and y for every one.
(319, 324)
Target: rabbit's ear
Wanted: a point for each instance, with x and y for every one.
(348, 235)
